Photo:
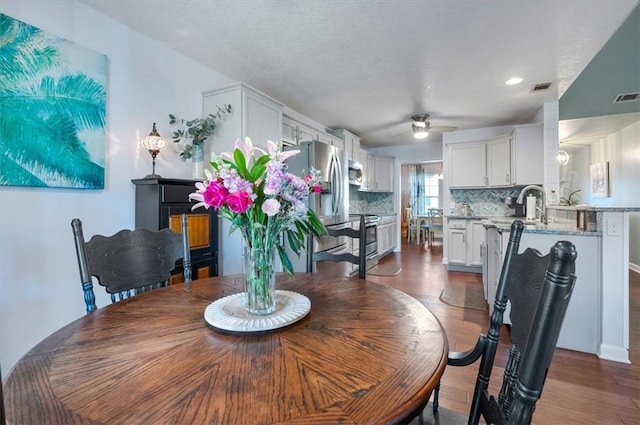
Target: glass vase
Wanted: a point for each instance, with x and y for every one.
(260, 280)
(197, 160)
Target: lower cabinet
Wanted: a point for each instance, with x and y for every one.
(387, 233)
(466, 237)
(161, 202)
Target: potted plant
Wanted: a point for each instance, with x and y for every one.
(196, 130)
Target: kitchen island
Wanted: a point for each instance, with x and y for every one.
(597, 319)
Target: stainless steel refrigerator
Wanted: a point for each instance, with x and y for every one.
(331, 204)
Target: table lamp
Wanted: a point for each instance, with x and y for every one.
(154, 143)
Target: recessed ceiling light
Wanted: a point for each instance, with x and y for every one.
(512, 81)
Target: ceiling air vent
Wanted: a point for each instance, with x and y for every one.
(540, 87)
(628, 97)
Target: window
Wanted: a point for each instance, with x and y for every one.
(424, 187)
(432, 184)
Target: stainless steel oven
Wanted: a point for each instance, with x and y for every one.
(371, 239)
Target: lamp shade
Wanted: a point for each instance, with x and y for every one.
(420, 130)
(154, 142)
(562, 158)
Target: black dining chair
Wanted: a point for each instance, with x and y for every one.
(539, 288)
(360, 260)
(131, 261)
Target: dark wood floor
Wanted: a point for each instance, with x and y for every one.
(580, 388)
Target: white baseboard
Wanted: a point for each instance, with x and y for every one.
(613, 353)
(634, 267)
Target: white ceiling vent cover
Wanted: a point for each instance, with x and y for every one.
(628, 97)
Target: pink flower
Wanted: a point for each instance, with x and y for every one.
(316, 189)
(307, 178)
(271, 207)
(239, 202)
(215, 194)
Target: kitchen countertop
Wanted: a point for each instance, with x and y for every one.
(504, 224)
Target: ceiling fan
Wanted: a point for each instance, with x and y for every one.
(420, 127)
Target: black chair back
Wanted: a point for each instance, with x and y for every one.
(539, 288)
(130, 262)
(360, 260)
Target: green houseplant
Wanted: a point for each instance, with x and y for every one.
(196, 130)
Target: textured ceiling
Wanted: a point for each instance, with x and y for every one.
(369, 65)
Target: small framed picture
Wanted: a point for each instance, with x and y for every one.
(599, 177)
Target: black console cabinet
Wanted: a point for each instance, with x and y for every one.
(159, 204)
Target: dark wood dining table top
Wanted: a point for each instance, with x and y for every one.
(364, 354)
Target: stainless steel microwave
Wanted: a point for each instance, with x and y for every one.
(355, 173)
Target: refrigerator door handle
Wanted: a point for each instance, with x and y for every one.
(339, 177)
(334, 195)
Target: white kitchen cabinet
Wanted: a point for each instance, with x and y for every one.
(495, 244)
(466, 238)
(332, 140)
(527, 154)
(253, 115)
(294, 132)
(475, 240)
(378, 173)
(386, 235)
(499, 162)
(351, 143)
(367, 172)
(467, 165)
(457, 242)
(383, 172)
(481, 164)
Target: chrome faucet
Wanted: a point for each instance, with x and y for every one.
(543, 209)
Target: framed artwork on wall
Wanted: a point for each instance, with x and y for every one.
(599, 178)
(52, 110)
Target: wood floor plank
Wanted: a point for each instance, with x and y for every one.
(580, 389)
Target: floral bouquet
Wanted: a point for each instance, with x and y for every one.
(252, 189)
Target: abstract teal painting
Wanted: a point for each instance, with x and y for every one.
(52, 110)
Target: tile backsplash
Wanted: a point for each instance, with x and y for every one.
(370, 202)
(484, 202)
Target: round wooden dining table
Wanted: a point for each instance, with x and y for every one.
(365, 353)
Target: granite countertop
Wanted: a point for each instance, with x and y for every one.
(504, 224)
(593, 208)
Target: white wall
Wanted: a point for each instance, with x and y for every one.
(39, 281)
(622, 150)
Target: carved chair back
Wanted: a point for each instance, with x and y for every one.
(130, 262)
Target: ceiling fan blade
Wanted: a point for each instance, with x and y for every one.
(403, 133)
(442, 128)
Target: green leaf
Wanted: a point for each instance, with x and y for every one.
(256, 172)
(284, 259)
(241, 163)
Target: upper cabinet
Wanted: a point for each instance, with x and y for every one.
(516, 159)
(330, 139)
(351, 143)
(294, 132)
(528, 154)
(378, 172)
(467, 165)
(253, 115)
(499, 162)
(383, 174)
